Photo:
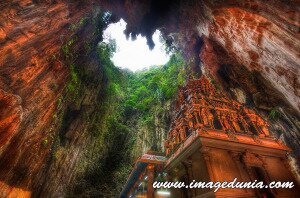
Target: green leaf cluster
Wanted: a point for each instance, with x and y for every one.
(128, 101)
(155, 86)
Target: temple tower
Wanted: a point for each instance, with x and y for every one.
(214, 138)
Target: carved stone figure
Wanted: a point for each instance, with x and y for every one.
(244, 123)
(182, 134)
(257, 122)
(167, 147)
(191, 121)
(219, 117)
(226, 124)
(204, 117)
(234, 120)
(262, 126)
(210, 118)
(197, 100)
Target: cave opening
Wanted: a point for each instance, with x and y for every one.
(132, 52)
(79, 102)
(138, 86)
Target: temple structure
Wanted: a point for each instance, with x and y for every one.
(214, 138)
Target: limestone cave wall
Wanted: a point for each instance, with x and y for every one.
(249, 48)
(50, 95)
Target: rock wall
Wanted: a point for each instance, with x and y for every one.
(263, 38)
(153, 135)
(43, 126)
(261, 35)
(250, 48)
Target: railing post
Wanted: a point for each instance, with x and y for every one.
(150, 174)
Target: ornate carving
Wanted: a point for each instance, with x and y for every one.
(234, 121)
(199, 105)
(231, 135)
(256, 139)
(205, 150)
(251, 159)
(235, 155)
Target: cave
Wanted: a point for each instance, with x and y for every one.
(72, 124)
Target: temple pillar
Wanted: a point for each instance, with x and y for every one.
(189, 173)
(150, 174)
(206, 155)
(236, 158)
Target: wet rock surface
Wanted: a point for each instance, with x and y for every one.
(251, 46)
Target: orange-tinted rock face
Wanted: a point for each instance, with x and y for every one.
(11, 116)
(256, 47)
(254, 44)
(261, 45)
(12, 192)
(32, 77)
(262, 38)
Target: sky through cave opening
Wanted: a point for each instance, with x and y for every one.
(135, 55)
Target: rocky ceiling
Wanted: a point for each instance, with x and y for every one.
(250, 48)
(261, 35)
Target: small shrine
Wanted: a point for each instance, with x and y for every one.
(215, 138)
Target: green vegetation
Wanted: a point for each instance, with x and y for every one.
(111, 109)
(45, 142)
(274, 113)
(79, 24)
(156, 85)
(139, 92)
(141, 96)
(67, 47)
(74, 79)
(149, 93)
(130, 102)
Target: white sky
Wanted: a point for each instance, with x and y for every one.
(134, 55)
